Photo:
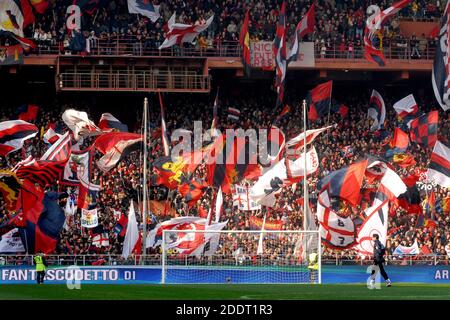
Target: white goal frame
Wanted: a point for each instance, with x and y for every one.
(165, 266)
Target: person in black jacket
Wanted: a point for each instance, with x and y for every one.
(378, 251)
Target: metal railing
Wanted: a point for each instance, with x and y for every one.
(136, 81)
(125, 47)
(228, 260)
(393, 49)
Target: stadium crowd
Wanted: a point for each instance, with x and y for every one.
(350, 141)
(339, 25)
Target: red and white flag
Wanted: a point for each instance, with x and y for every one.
(13, 134)
(50, 136)
(115, 146)
(439, 167)
(406, 107)
(132, 236)
(243, 199)
(183, 33)
(296, 144)
(80, 124)
(304, 27)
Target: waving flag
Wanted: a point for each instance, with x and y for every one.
(377, 111)
(407, 109)
(279, 52)
(80, 124)
(372, 52)
(244, 41)
(296, 144)
(15, 16)
(42, 231)
(234, 113)
(115, 146)
(304, 27)
(51, 136)
(404, 250)
(187, 243)
(131, 244)
(424, 129)
(39, 5)
(375, 222)
(183, 33)
(319, 100)
(13, 134)
(144, 7)
(441, 70)
(234, 160)
(10, 242)
(60, 150)
(192, 191)
(345, 183)
(87, 6)
(398, 144)
(243, 199)
(337, 232)
(439, 167)
(27, 112)
(10, 187)
(284, 172)
(110, 123)
(42, 172)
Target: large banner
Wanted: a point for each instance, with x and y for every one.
(262, 55)
(89, 218)
(71, 275)
(257, 223)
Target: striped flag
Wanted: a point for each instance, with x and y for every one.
(440, 71)
(377, 111)
(50, 136)
(110, 123)
(372, 50)
(165, 139)
(234, 113)
(279, 52)
(13, 134)
(407, 109)
(244, 41)
(44, 173)
(179, 33)
(424, 129)
(60, 150)
(439, 167)
(304, 27)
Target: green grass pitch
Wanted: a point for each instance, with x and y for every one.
(226, 292)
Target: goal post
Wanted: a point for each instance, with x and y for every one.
(240, 256)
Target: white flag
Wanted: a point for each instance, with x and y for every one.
(11, 243)
(132, 234)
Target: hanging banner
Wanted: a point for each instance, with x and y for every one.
(256, 224)
(89, 218)
(262, 55)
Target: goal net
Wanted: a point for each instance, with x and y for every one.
(229, 256)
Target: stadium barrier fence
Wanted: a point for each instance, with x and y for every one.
(156, 260)
(393, 49)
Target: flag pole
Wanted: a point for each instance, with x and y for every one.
(305, 180)
(144, 189)
(329, 110)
